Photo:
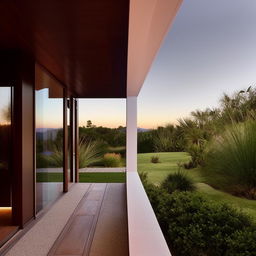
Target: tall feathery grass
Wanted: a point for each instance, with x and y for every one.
(90, 152)
(230, 162)
(178, 181)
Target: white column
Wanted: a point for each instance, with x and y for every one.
(131, 134)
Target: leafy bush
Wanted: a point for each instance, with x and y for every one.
(189, 165)
(143, 178)
(197, 226)
(112, 160)
(145, 142)
(178, 181)
(154, 159)
(231, 161)
(197, 155)
(163, 140)
(242, 243)
(42, 161)
(118, 150)
(157, 197)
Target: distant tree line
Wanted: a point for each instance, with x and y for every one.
(192, 133)
(112, 137)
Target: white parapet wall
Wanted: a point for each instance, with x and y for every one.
(131, 134)
(145, 235)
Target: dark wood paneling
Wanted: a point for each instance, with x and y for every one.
(82, 43)
(76, 143)
(71, 138)
(23, 140)
(65, 144)
(28, 80)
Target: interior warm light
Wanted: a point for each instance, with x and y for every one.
(5, 208)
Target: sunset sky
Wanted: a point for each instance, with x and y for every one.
(210, 49)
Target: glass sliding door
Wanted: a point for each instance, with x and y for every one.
(5, 162)
(49, 142)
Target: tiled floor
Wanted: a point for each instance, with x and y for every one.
(98, 226)
(89, 220)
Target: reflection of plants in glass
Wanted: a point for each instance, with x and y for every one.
(56, 159)
(90, 152)
(6, 113)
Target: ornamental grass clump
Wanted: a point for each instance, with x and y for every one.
(90, 153)
(154, 160)
(112, 160)
(178, 181)
(230, 163)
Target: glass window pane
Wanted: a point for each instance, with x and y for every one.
(5, 157)
(49, 143)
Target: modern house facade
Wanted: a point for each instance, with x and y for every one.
(52, 53)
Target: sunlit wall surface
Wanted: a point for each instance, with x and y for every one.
(49, 144)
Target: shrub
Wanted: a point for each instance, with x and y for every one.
(158, 198)
(143, 178)
(178, 181)
(112, 160)
(164, 139)
(145, 142)
(197, 226)
(118, 150)
(42, 161)
(197, 155)
(154, 159)
(189, 165)
(231, 161)
(242, 243)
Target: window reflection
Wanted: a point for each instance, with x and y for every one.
(49, 142)
(5, 158)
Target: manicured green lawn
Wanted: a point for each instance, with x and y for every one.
(103, 177)
(168, 164)
(111, 177)
(49, 177)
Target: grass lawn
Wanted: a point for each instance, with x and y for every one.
(100, 177)
(168, 164)
(103, 177)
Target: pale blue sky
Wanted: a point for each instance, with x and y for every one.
(210, 49)
(102, 112)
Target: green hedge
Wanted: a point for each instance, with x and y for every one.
(196, 226)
